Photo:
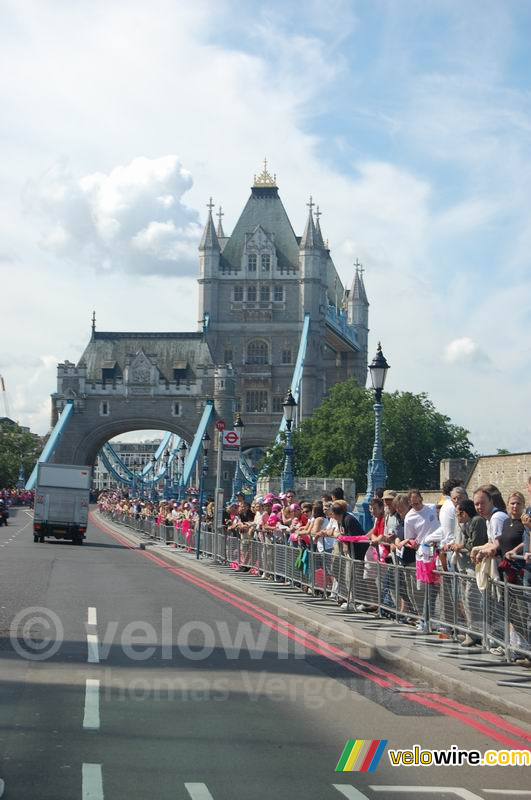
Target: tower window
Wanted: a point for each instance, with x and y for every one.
(228, 356)
(104, 409)
(286, 357)
(256, 401)
(257, 353)
(264, 294)
(278, 294)
(277, 405)
(238, 293)
(176, 409)
(266, 262)
(252, 260)
(251, 294)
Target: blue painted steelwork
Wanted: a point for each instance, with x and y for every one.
(338, 322)
(298, 371)
(52, 442)
(159, 452)
(195, 447)
(110, 467)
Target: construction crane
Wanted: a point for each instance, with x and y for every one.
(7, 410)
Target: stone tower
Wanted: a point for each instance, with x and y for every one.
(255, 287)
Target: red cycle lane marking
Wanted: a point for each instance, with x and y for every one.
(444, 706)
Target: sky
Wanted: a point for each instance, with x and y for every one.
(409, 122)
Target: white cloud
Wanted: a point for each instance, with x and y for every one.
(132, 219)
(464, 351)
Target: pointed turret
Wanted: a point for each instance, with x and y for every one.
(357, 292)
(219, 230)
(358, 304)
(209, 239)
(318, 227)
(311, 239)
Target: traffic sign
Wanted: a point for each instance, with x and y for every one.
(220, 425)
(231, 439)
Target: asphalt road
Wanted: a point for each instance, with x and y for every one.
(152, 683)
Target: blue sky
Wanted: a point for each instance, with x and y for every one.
(408, 121)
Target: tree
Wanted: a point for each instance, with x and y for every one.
(502, 451)
(337, 440)
(17, 447)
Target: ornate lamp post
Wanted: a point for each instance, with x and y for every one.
(182, 457)
(286, 481)
(237, 483)
(377, 470)
(204, 470)
(135, 478)
(153, 486)
(166, 466)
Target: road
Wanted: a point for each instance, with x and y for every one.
(149, 693)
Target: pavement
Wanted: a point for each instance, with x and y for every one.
(463, 673)
(129, 674)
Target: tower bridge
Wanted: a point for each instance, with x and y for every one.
(274, 313)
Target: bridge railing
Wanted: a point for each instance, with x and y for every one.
(500, 615)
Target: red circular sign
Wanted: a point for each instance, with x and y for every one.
(220, 425)
(231, 437)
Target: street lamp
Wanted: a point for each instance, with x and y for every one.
(182, 457)
(289, 405)
(377, 470)
(135, 477)
(153, 485)
(237, 483)
(166, 465)
(204, 470)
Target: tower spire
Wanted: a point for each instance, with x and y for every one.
(318, 214)
(209, 239)
(93, 323)
(219, 230)
(310, 238)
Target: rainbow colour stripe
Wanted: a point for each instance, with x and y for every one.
(361, 755)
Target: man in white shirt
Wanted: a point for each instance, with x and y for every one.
(421, 524)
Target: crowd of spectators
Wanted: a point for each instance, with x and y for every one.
(480, 536)
(16, 497)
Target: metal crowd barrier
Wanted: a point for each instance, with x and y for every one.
(499, 616)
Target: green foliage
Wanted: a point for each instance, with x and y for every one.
(502, 451)
(16, 447)
(337, 440)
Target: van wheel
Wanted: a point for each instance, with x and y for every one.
(35, 538)
(41, 540)
(78, 541)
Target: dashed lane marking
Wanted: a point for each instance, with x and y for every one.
(92, 782)
(198, 791)
(465, 794)
(93, 655)
(91, 718)
(92, 618)
(350, 792)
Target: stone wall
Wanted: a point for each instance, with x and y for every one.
(509, 473)
(309, 488)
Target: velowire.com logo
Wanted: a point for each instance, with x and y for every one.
(361, 755)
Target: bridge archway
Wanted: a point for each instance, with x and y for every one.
(89, 446)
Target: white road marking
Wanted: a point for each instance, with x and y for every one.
(92, 782)
(198, 791)
(92, 618)
(93, 656)
(349, 791)
(465, 794)
(2, 787)
(91, 719)
(510, 792)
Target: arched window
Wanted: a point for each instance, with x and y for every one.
(257, 352)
